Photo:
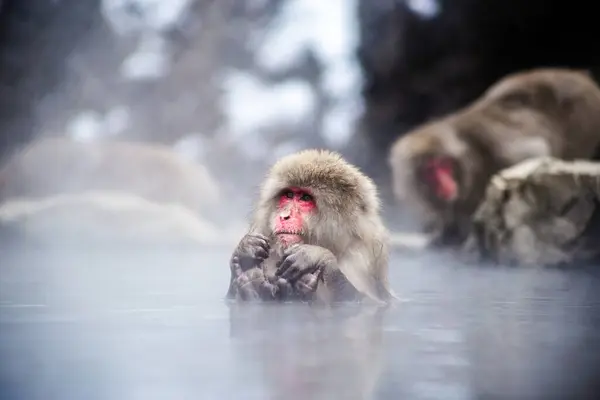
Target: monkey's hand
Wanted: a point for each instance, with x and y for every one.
(247, 277)
(251, 284)
(303, 266)
(252, 250)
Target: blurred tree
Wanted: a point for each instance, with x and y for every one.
(35, 38)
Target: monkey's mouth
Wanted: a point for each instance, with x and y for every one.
(289, 237)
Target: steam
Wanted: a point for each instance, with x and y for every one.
(145, 321)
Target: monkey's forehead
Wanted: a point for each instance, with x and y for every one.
(536, 78)
(315, 176)
(325, 173)
(428, 140)
(317, 168)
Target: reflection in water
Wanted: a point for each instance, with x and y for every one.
(310, 353)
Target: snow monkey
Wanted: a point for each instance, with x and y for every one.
(316, 235)
(441, 169)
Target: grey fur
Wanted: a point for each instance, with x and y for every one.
(346, 238)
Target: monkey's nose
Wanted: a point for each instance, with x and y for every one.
(284, 217)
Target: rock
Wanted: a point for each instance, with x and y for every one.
(541, 212)
(155, 172)
(105, 217)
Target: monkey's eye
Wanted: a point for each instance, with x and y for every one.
(306, 197)
(289, 194)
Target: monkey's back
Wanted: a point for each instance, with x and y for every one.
(554, 107)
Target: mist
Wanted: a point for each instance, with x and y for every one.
(115, 263)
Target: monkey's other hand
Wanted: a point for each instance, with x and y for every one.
(306, 285)
(252, 250)
(252, 284)
(304, 259)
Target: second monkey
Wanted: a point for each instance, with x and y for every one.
(442, 168)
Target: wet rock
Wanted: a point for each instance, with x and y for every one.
(542, 212)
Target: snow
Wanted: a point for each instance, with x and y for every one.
(339, 122)
(425, 8)
(132, 16)
(149, 61)
(89, 125)
(191, 147)
(252, 105)
(330, 30)
(117, 120)
(85, 126)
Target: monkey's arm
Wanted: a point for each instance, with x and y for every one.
(365, 266)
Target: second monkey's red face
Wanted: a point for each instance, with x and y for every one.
(294, 206)
(440, 174)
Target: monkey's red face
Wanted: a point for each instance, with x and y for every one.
(294, 206)
(440, 175)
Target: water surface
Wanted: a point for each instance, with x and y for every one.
(153, 325)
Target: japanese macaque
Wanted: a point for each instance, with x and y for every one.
(316, 234)
(441, 169)
(54, 166)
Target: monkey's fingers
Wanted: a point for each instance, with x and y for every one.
(259, 236)
(291, 250)
(260, 253)
(252, 257)
(268, 291)
(242, 280)
(247, 292)
(286, 291)
(307, 284)
(261, 242)
(296, 270)
(236, 268)
(257, 251)
(284, 265)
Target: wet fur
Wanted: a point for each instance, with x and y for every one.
(541, 112)
(348, 222)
